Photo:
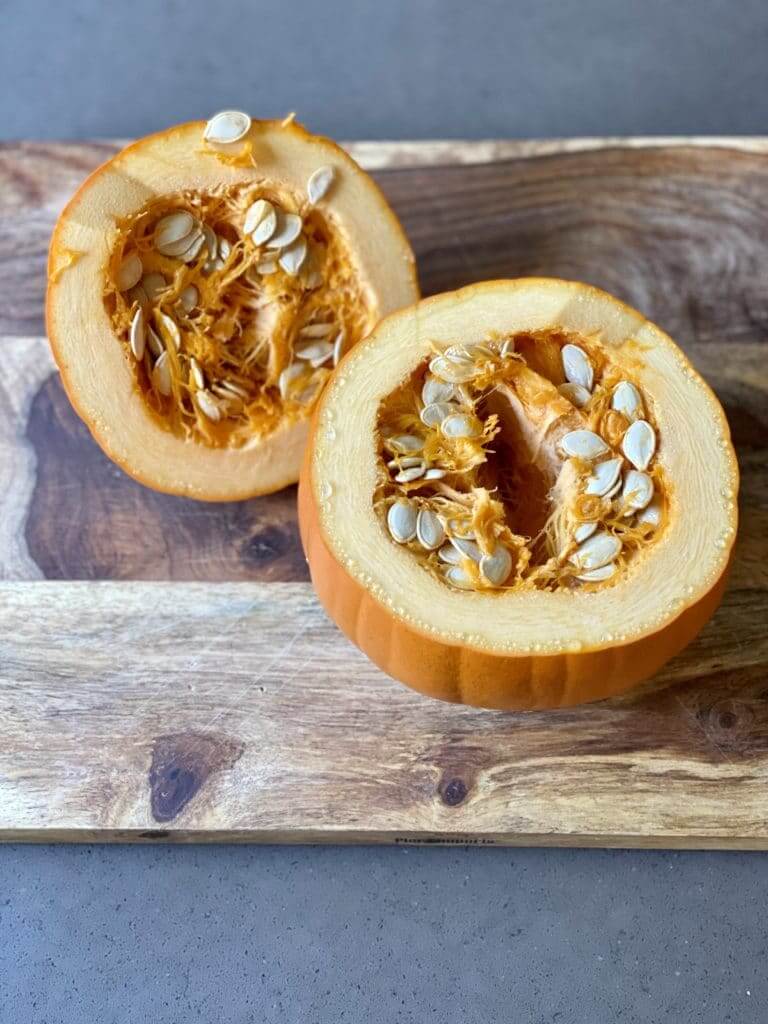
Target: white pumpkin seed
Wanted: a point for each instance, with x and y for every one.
(467, 547)
(137, 294)
(211, 243)
(153, 284)
(407, 476)
(405, 462)
(168, 326)
(583, 444)
(639, 444)
(191, 254)
(461, 425)
(604, 477)
(138, 334)
(626, 399)
(637, 492)
(583, 531)
(288, 230)
(457, 577)
(267, 267)
(496, 567)
(179, 248)
(430, 532)
(614, 490)
(208, 405)
(598, 575)
(338, 346)
(235, 389)
(596, 552)
(507, 347)
(577, 367)
(288, 377)
(173, 228)
(129, 272)
(451, 371)
(577, 394)
(293, 256)
(156, 346)
(189, 298)
(224, 247)
(434, 474)
(161, 374)
(267, 223)
(196, 372)
(405, 443)
(435, 391)
(316, 331)
(401, 521)
(449, 554)
(227, 126)
(433, 415)
(319, 183)
(651, 514)
(255, 214)
(316, 353)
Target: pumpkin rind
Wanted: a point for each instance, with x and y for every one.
(460, 670)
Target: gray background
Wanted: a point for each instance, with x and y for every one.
(226, 934)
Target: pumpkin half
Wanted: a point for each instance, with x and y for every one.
(519, 495)
(202, 285)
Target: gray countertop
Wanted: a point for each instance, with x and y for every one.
(230, 935)
(227, 934)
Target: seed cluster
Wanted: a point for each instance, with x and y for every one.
(234, 306)
(459, 531)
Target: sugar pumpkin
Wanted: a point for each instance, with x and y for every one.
(202, 283)
(519, 495)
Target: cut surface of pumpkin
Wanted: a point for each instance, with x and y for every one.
(202, 285)
(519, 495)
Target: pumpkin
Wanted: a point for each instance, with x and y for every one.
(519, 495)
(202, 284)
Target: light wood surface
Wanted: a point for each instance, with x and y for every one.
(164, 669)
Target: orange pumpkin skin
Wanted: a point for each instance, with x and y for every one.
(466, 675)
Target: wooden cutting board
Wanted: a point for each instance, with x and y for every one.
(165, 672)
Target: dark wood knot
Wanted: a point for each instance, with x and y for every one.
(181, 765)
(452, 791)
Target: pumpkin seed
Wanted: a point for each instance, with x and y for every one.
(451, 371)
(288, 230)
(436, 391)
(316, 331)
(434, 414)
(597, 551)
(577, 394)
(161, 374)
(208, 405)
(458, 577)
(461, 425)
(429, 530)
(583, 531)
(496, 567)
(189, 298)
(639, 444)
(138, 334)
(405, 443)
(651, 514)
(405, 462)
(224, 247)
(288, 377)
(449, 554)
(173, 228)
(211, 242)
(507, 348)
(265, 218)
(604, 477)
(255, 214)
(227, 126)
(401, 521)
(467, 547)
(316, 353)
(626, 399)
(179, 248)
(319, 183)
(153, 284)
(434, 474)
(191, 254)
(235, 389)
(583, 444)
(267, 267)
(577, 367)
(293, 256)
(196, 372)
(156, 346)
(129, 272)
(407, 476)
(598, 575)
(169, 327)
(637, 492)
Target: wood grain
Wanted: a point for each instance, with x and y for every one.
(203, 694)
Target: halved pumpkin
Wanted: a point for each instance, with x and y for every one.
(202, 283)
(519, 495)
